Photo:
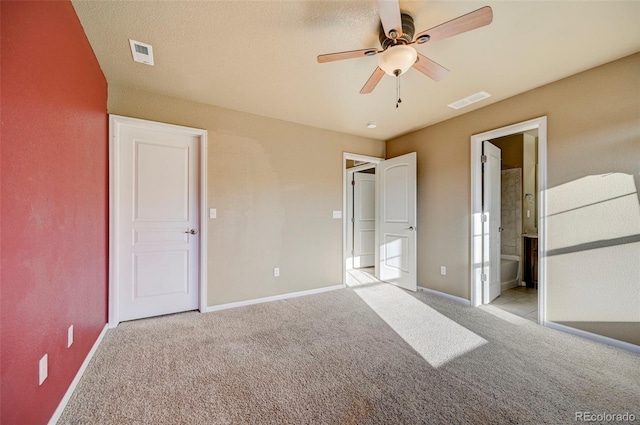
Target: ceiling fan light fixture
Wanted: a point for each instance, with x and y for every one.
(397, 58)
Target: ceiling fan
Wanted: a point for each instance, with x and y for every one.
(396, 38)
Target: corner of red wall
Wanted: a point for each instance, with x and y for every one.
(54, 211)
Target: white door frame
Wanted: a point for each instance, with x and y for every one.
(115, 121)
(476, 208)
(345, 179)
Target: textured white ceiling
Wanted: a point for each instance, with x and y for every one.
(260, 56)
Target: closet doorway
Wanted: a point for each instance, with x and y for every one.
(360, 222)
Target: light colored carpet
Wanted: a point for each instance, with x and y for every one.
(370, 354)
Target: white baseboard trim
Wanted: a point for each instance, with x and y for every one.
(594, 337)
(508, 285)
(272, 298)
(444, 295)
(63, 403)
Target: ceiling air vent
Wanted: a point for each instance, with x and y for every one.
(469, 100)
(459, 104)
(141, 52)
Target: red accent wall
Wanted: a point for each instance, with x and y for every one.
(54, 204)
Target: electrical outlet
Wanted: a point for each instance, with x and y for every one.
(70, 336)
(276, 271)
(43, 366)
(443, 270)
(337, 214)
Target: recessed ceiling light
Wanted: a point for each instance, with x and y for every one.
(469, 100)
(372, 124)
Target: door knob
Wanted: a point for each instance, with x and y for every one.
(192, 231)
(409, 228)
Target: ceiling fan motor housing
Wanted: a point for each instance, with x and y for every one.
(408, 29)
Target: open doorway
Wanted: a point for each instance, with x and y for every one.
(360, 218)
(517, 274)
(394, 221)
(507, 238)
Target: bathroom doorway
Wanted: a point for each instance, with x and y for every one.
(518, 257)
(518, 254)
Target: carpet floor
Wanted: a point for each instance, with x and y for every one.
(370, 354)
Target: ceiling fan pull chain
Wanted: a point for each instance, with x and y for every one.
(399, 101)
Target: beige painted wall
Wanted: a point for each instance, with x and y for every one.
(511, 149)
(593, 131)
(274, 184)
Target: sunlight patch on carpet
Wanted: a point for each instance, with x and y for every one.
(434, 336)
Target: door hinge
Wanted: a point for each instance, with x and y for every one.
(483, 218)
(353, 182)
(483, 159)
(353, 219)
(483, 277)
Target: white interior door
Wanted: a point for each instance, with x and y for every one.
(491, 229)
(398, 220)
(157, 212)
(364, 219)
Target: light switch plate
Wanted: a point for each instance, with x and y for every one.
(70, 336)
(213, 213)
(43, 366)
(337, 214)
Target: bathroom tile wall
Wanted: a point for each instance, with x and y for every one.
(511, 190)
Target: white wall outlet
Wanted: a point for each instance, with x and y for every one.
(443, 270)
(70, 336)
(43, 369)
(337, 214)
(213, 213)
(276, 271)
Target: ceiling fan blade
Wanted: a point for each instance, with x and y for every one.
(430, 68)
(373, 81)
(389, 11)
(470, 21)
(330, 57)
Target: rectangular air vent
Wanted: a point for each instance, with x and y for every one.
(469, 100)
(459, 104)
(141, 52)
